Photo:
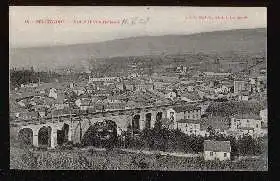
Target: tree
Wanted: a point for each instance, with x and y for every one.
(248, 146)
(211, 131)
(158, 125)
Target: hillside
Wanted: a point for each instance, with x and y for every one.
(224, 43)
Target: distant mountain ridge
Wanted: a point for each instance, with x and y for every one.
(245, 41)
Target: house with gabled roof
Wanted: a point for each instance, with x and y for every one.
(248, 124)
(217, 150)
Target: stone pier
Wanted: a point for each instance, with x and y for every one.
(53, 138)
(35, 137)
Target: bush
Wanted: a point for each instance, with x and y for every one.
(67, 146)
(229, 108)
(165, 140)
(139, 161)
(249, 146)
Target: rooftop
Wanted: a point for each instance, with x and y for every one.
(216, 122)
(217, 146)
(247, 116)
(186, 108)
(194, 121)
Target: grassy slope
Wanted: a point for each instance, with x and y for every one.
(22, 158)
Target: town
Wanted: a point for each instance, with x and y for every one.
(213, 111)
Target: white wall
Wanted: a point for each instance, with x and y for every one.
(168, 113)
(256, 124)
(218, 155)
(263, 115)
(53, 93)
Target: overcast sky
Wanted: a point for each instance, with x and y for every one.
(159, 21)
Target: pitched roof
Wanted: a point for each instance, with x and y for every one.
(246, 128)
(195, 121)
(185, 108)
(247, 116)
(216, 122)
(217, 146)
(61, 112)
(192, 96)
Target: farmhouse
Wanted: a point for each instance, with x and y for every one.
(217, 150)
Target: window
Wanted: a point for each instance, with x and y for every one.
(247, 120)
(211, 153)
(257, 125)
(225, 154)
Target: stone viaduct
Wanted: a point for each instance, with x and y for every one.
(60, 129)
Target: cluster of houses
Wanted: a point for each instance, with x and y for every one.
(189, 120)
(116, 93)
(119, 93)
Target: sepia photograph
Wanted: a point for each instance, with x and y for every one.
(138, 88)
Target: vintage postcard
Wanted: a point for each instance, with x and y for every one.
(138, 88)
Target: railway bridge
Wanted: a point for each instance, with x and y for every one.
(54, 131)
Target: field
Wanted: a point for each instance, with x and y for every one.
(93, 159)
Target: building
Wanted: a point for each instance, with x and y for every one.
(129, 86)
(115, 106)
(120, 86)
(222, 90)
(191, 127)
(27, 115)
(160, 85)
(183, 112)
(263, 115)
(79, 90)
(84, 103)
(191, 97)
(244, 96)
(217, 150)
(239, 86)
(170, 95)
(53, 93)
(235, 66)
(216, 74)
(103, 79)
(261, 83)
(30, 85)
(247, 124)
(144, 86)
